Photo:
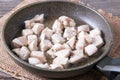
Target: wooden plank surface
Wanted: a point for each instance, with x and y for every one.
(107, 5)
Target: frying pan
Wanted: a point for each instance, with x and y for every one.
(52, 10)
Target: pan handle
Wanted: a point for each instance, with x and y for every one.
(109, 66)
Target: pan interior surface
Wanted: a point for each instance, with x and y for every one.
(52, 10)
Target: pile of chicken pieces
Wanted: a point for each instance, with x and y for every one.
(65, 43)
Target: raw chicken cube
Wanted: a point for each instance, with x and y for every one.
(16, 50)
(33, 61)
(83, 28)
(45, 45)
(81, 43)
(57, 38)
(97, 41)
(57, 26)
(20, 41)
(69, 33)
(56, 66)
(89, 39)
(46, 34)
(90, 49)
(26, 32)
(50, 52)
(82, 34)
(77, 56)
(40, 55)
(24, 53)
(67, 22)
(71, 42)
(57, 47)
(29, 24)
(42, 65)
(61, 61)
(63, 53)
(37, 28)
(32, 38)
(96, 32)
(39, 18)
(33, 46)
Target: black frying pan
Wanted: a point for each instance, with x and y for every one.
(52, 10)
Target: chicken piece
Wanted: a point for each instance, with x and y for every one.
(50, 52)
(71, 42)
(32, 38)
(89, 39)
(82, 34)
(67, 22)
(26, 32)
(95, 32)
(33, 61)
(57, 38)
(16, 51)
(63, 53)
(46, 34)
(58, 47)
(45, 45)
(83, 28)
(97, 41)
(56, 66)
(39, 18)
(37, 28)
(20, 41)
(90, 49)
(33, 46)
(69, 33)
(61, 61)
(57, 26)
(42, 65)
(77, 56)
(24, 53)
(81, 43)
(40, 55)
(29, 24)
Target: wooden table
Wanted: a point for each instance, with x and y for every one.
(112, 6)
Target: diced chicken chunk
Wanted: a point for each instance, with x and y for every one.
(56, 66)
(90, 49)
(83, 28)
(34, 61)
(26, 32)
(97, 41)
(45, 45)
(33, 45)
(43, 65)
(16, 50)
(39, 18)
(46, 34)
(37, 28)
(57, 26)
(32, 38)
(69, 33)
(76, 56)
(20, 41)
(57, 38)
(89, 39)
(29, 24)
(82, 34)
(67, 22)
(71, 42)
(96, 32)
(63, 53)
(40, 55)
(61, 61)
(50, 52)
(81, 43)
(24, 53)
